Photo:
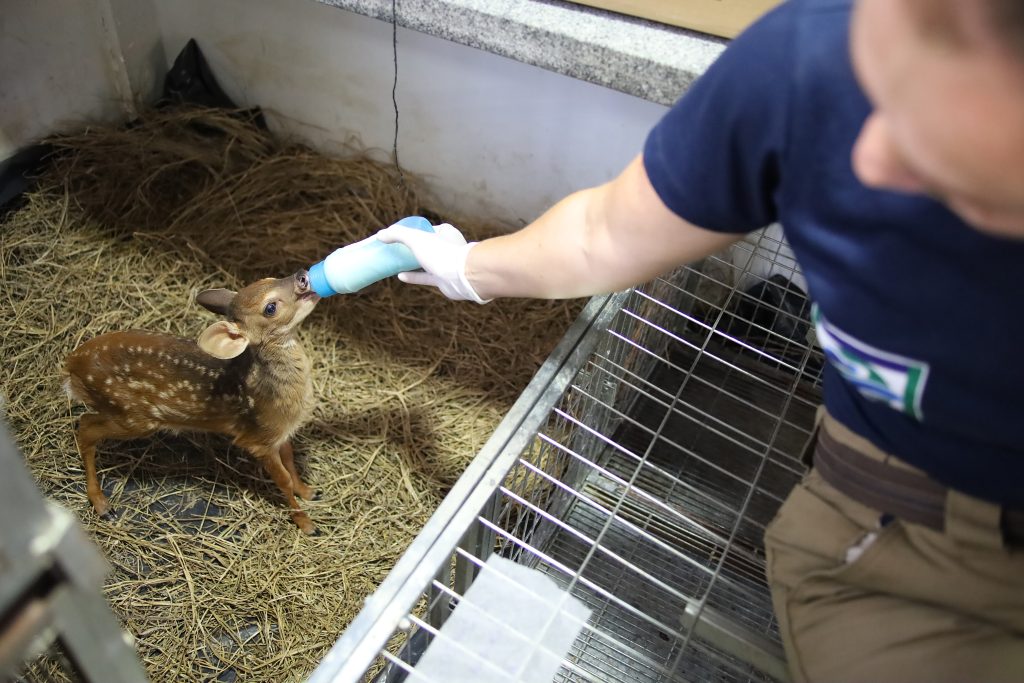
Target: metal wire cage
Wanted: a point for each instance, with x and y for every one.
(637, 472)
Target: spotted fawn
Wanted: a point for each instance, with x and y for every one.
(246, 376)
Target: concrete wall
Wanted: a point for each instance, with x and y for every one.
(57, 69)
(492, 136)
(141, 46)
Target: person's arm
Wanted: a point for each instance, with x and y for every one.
(597, 240)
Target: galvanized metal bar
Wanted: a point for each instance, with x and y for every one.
(51, 586)
(479, 541)
(437, 607)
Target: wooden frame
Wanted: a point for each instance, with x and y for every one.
(719, 17)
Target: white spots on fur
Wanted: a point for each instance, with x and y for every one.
(155, 383)
(142, 385)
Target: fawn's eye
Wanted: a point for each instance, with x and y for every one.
(270, 309)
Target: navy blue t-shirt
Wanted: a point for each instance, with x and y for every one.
(921, 316)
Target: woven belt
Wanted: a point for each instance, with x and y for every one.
(898, 492)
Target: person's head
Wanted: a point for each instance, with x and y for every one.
(946, 80)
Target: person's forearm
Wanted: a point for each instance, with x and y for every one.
(598, 240)
(551, 258)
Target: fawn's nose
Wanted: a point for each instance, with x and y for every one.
(301, 282)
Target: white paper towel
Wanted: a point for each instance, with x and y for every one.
(514, 624)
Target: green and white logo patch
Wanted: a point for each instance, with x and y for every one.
(878, 375)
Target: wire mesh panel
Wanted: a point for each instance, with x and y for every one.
(636, 475)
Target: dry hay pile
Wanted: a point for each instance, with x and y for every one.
(208, 571)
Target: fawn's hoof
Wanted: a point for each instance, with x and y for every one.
(109, 515)
(317, 495)
(101, 505)
(304, 523)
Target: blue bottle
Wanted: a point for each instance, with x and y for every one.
(358, 265)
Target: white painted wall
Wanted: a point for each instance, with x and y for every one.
(56, 70)
(493, 137)
(136, 37)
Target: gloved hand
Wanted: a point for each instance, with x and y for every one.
(442, 255)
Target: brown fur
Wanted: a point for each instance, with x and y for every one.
(258, 392)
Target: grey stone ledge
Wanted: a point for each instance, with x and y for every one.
(652, 61)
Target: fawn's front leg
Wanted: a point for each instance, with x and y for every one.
(270, 458)
(288, 460)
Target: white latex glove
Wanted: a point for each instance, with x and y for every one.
(442, 255)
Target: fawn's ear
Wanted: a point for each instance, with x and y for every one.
(216, 300)
(223, 340)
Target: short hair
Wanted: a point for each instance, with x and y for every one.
(1006, 18)
(1002, 20)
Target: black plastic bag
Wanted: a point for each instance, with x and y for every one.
(190, 81)
(16, 174)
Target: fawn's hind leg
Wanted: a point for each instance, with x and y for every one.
(288, 460)
(93, 428)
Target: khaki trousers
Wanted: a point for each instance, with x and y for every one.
(858, 601)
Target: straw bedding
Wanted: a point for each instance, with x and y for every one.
(208, 571)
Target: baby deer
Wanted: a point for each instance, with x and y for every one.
(247, 376)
